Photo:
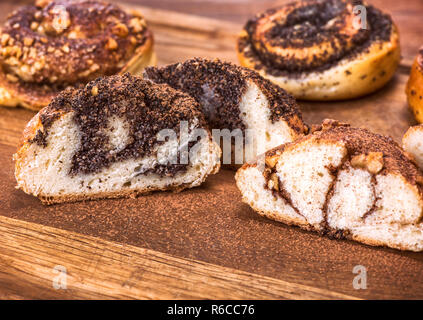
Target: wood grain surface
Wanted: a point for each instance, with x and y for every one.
(202, 243)
(101, 269)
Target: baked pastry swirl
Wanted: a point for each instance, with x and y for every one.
(341, 181)
(106, 140)
(54, 44)
(236, 98)
(319, 50)
(414, 88)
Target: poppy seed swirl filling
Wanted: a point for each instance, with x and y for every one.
(144, 108)
(219, 87)
(63, 42)
(314, 35)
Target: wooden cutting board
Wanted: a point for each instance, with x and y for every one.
(201, 243)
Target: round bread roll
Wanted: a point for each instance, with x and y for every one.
(51, 45)
(237, 101)
(414, 88)
(322, 49)
(343, 182)
(118, 136)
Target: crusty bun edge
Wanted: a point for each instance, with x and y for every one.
(414, 91)
(350, 78)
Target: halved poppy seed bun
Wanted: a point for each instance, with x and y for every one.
(322, 49)
(51, 45)
(233, 98)
(343, 182)
(118, 136)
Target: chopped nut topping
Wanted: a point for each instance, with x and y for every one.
(40, 29)
(18, 52)
(12, 78)
(133, 40)
(42, 3)
(52, 57)
(38, 65)
(136, 24)
(73, 35)
(94, 67)
(4, 39)
(372, 162)
(24, 69)
(111, 44)
(120, 30)
(94, 91)
(38, 15)
(34, 25)
(32, 53)
(28, 41)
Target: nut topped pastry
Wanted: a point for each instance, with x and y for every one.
(341, 181)
(54, 44)
(322, 49)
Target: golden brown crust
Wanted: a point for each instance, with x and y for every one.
(30, 131)
(354, 73)
(414, 89)
(47, 200)
(45, 48)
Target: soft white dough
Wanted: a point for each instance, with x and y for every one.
(45, 171)
(255, 113)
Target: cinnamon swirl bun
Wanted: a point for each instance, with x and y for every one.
(343, 182)
(51, 45)
(322, 49)
(414, 88)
